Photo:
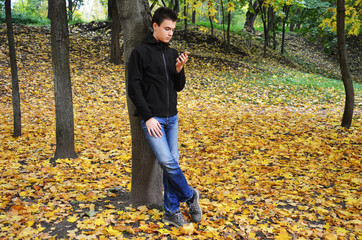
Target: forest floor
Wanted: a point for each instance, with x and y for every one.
(260, 138)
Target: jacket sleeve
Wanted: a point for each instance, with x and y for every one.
(135, 92)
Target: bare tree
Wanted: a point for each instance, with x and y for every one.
(343, 62)
(146, 174)
(14, 71)
(62, 81)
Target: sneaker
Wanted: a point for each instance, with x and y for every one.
(194, 207)
(176, 219)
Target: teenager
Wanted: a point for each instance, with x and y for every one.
(155, 75)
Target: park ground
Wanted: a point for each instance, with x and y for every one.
(259, 137)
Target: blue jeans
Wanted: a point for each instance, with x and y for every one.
(176, 188)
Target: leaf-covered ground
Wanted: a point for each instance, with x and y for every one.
(260, 140)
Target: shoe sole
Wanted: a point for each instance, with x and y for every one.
(172, 223)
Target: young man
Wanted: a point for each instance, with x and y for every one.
(155, 74)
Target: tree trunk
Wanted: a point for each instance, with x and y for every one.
(193, 16)
(70, 10)
(223, 20)
(185, 20)
(62, 82)
(14, 71)
(273, 26)
(116, 54)
(176, 7)
(286, 10)
(343, 62)
(251, 15)
(146, 173)
(212, 27)
(264, 17)
(228, 30)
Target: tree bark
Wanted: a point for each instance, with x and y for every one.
(62, 81)
(343, 62)
(14, 71)
(146, 173)
(116, 54)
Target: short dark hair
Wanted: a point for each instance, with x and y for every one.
(163, 13)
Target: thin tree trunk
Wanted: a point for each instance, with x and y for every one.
(273, 27)
(116, 54)
(343, 62)
(14, 71)
(62, 81)
(228, 30)
(264, 17)
(176, 7)
(212, 27)
(286, 10)
(223, 19)
(185, 15)
(146, 173)
(70, 10)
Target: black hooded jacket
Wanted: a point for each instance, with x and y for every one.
(153, 81)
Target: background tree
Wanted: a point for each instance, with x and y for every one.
(343, 62)
(72, 6)
(62, 81)
(251, 14)
(116, 51)
(14, 71)
(146, 173)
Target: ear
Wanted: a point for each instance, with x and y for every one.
(154, 25)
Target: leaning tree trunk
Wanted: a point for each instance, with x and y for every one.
(251, 15)
(146, 173)
(343, 62)
(116, 53)
(62, 83)
(14, 71)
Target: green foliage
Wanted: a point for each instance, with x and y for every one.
(32, 8)
(24, 19)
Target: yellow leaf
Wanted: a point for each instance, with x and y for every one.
(330, 237)
(283, 235)
(188, 229)
(22, 194)
(72, 219)
(113, 232)
(99, 221)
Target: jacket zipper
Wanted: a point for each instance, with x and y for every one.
(167, 80)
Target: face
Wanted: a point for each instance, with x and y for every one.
(165, 31)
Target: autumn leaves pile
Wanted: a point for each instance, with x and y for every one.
(266, 151)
